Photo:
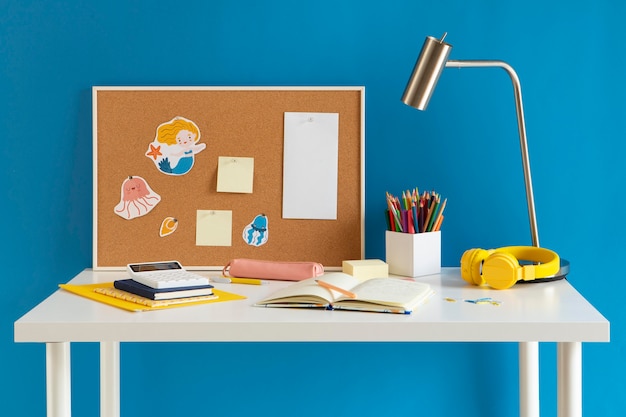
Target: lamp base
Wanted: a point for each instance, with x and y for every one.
(560, 274)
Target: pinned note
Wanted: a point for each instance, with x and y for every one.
(235, 174)
(310, 165)
(213, 227)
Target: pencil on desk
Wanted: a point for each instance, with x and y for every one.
(335, 288)
(249, 281)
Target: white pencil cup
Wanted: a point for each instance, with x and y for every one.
(413, 255)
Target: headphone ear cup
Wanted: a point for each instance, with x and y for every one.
(471, 265)
(466, 271)
(501, 270)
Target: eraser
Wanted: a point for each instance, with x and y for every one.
(363, 269)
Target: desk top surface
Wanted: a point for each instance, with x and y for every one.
(551, 311)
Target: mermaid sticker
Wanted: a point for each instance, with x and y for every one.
(175, 145)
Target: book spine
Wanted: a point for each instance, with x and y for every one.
(137, 291)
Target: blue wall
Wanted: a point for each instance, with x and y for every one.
(570, 57)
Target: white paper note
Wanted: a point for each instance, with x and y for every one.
(310, 165)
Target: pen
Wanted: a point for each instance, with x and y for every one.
(332, 287)
(234, 280)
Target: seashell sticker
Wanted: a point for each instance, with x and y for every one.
(168, 226)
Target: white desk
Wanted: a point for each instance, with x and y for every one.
(529, 314)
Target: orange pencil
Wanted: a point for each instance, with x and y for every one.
(335, 288)
(440, 215)
(438, 224)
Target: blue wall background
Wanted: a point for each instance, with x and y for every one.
(570, 58)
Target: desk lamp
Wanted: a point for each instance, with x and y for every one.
(431, 62)
(432, 59)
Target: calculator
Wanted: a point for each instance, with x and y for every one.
(166, 274)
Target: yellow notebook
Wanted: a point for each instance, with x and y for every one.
(108, 294)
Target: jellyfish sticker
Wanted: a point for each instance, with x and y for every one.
(137, 198)
(256, 234)
(174, 146)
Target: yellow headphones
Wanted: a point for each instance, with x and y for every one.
(500, 268)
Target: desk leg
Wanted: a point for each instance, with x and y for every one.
(109, 379)
(58, 380)
(529, 379)
(569, 364)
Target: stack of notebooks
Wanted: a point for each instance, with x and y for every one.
(140, 293)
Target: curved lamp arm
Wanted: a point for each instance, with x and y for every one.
(521, 125)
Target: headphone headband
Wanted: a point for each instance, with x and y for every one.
(500, 268)
(548, 260)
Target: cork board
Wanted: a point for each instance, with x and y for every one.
(240, 122)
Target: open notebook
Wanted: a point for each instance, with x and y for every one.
(384, 295)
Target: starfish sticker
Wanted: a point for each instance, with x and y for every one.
(154, 152)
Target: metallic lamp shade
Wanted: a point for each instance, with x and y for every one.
(426, 72)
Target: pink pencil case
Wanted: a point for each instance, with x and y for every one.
(286, 271)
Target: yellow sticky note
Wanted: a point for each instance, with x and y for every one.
(365, 268)
(214, 227)
(235, 174)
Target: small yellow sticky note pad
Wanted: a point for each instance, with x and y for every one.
(235, 174)
(214, 227)
(366, 268)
